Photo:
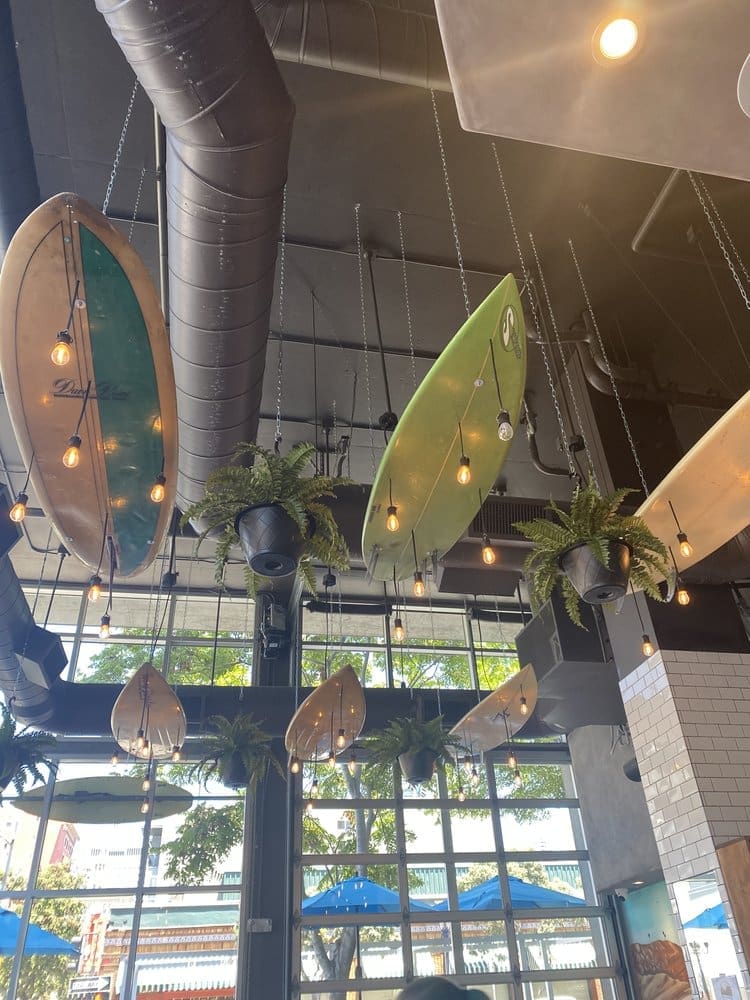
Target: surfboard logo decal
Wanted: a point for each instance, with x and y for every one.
(509, 331)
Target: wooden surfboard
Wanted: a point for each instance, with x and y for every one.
(418, 468)
(337, 704)
(484, 726)
(709, 489)
(119, 345)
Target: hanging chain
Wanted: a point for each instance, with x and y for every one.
(120, 145)
(535, 315)
(360, 257)
(137, 203)
(451, 209)
(720, 220)
(612, 380)
(406, 300)
(720, 241)
(280, 364)
(566, 371)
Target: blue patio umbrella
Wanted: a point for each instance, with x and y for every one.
(38, 941)
(713, 917)
(357, 894)
(523, 895)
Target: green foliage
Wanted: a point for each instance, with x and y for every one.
(594, 521)
(187, 664)
(406, 734)
(22, 753)
(205, 838)
(44, 976)
(242, 736)
(271, 479)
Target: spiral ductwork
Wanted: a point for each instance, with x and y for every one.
(214, 82)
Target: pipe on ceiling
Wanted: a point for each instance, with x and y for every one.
(228, 117)
(362, 37)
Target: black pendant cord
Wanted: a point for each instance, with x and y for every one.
(63, 553)
(315, 379)
(414, 549)
(112, 564)
(497, 380)
(482, 524)
(520, 604)
(83, 409)
(380, 337)
(674, 515)
(638, 610)
(216, 637)
(25, 488)
(104, 543)
(72, 305)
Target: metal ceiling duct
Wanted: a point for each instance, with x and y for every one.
(215, 84)
(372, 38)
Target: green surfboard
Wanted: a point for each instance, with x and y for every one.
(418, 469)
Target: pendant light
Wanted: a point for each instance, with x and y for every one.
(352, 765)
(294, 764)
(682, 595)
(419, 587)
(95, 588)
(488, 553)
(647, 646)
(176, 753)
(399, 632)
(524, 705)
(392, 522)
(18, 511)
(463, 475)
(105, 627)
(512, 759)
(60, 353)
(517, 778)
(158, 492)
(686, 549)
(115, 758)
(504, 425)
(72, 454)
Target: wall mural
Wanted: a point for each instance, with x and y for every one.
(657, 962)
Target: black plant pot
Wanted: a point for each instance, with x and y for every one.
(417, 766)
(233, 771)
(271, 541)
(597, 584)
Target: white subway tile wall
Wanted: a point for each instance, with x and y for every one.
(689, 717)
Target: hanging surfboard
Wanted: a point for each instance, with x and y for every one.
(417, 474)
(709, 489)
(499, 716)
(331, 716)
(71, 281)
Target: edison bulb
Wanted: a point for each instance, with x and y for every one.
(314, 789)
(618, 38)
(647, 647)
(461, 795)
(517, 779)
(157, 490)
(392, 522)
(488, 553)
(341, 739)
(95, 589)
(474, 778)
(140, 740)
(72, 455)
(176, 754)
(144, 807)
(352, 765)
(399, 633)
(104, 627)
(686, 549)
(524, 705)
(309, 805)
(294, 764)
(464, 471)
(18, 510)
(512, 760)
(60, 353)
(115, 758)
(504, 426)
(683, 597)
(146, 784)
(419, 587)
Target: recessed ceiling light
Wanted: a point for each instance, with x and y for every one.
(617, 38)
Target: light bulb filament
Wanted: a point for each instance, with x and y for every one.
(464, 471)
(392, 522)
(18, 510)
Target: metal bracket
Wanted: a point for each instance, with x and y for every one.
(259, 925)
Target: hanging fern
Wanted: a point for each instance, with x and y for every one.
(281, 479)
(593, 520)
(23, 752)
(239, 736)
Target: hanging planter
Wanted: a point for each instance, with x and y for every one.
(594, 582)
(270, 539)
(274, 511)
(239, 753)
(593, 552)
(417, 745)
